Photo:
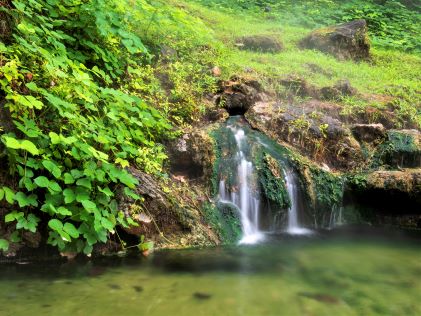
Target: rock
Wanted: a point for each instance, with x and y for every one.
(299, 86)
(310, 129)
(402, 149)
(386, 194)
(237, 96)
(168, 53)
(340, 89)
(216, 71)
(217, 115)
(260, 43)
(192, 155)
(344, 41)
(170, 214)
(369, 133)
(202, 295)
(407, 181)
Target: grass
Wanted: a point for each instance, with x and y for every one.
(390, 72)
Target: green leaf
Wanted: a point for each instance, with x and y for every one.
(106, 191)
(68, 178)
(27, 145)
(15, 237)
(9, 194)
(107, 224)
(24, 200)
(1, 194)
(52, 167)
(63, 211)
(54, 187)
(69, 196)
(55, 138)
(131, 194)
(42, 182)
(89, 206)
(84, 182)
(71, 230)
(56, 225)
(4, 244)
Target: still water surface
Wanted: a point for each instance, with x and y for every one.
(335, 274)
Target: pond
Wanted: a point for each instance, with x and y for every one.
(347, 272)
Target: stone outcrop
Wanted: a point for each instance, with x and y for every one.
(260, 43)
(369, 133)
(168, 214)
(237, 95)
(191, 156)
(344, 41)
(314, 133)
(401, 149)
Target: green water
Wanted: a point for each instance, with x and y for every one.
(324, 275)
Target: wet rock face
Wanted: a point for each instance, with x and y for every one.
(395, 193)
(260, 43)
(344, 41)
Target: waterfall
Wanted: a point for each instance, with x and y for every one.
(292, 188)
(240, 188)
(246, 199)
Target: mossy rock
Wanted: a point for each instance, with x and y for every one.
(225, 221)
(344, 41)
(260, 43)
(401, 149)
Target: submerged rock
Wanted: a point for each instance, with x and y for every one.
(344, 41)
(260, 43)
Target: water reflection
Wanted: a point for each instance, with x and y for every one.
(347, 272)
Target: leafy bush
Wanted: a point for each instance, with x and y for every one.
(78, 120)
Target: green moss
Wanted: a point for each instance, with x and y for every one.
(272, 180)
(224, 220)
(400, 149)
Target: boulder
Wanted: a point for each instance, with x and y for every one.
(402, 149)
(369, 133)
(340, 89)
(260, 43)
(192, 156)
(344, 41)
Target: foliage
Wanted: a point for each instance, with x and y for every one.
(391, 23)
(78, 120)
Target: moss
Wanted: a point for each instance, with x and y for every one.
(400, 149)
(224, 220)
(272, 181)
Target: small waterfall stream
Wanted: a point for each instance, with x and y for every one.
(292, 187)
(239, 186)
(245, 199)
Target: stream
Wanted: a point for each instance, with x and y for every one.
(342, 273)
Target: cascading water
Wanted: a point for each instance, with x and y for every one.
(292, 187)
(240, 187)
(246, 200)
